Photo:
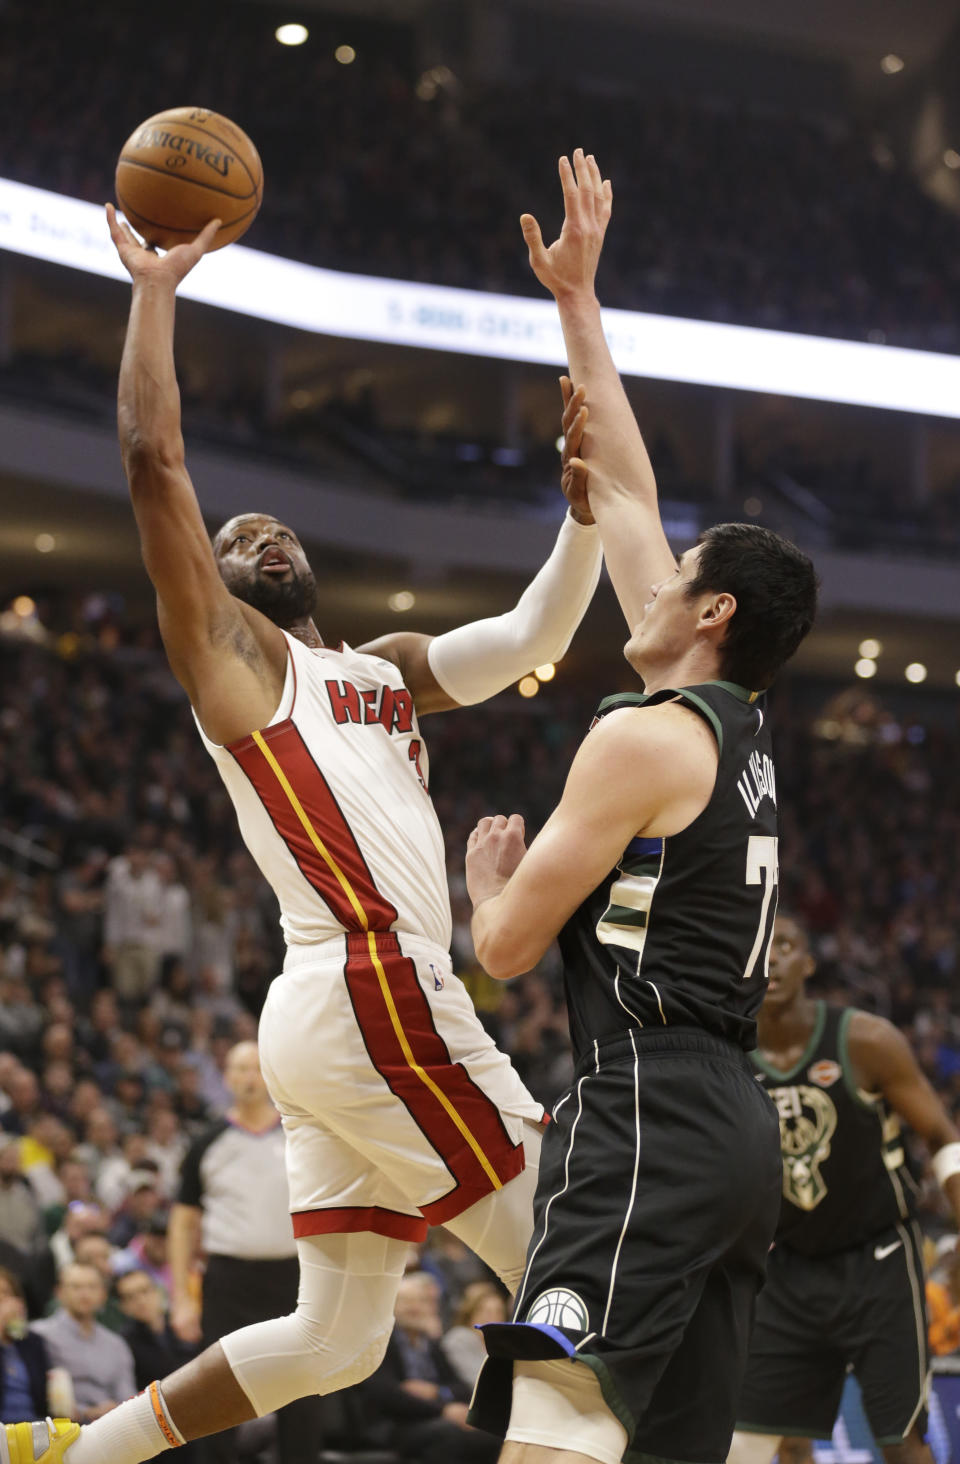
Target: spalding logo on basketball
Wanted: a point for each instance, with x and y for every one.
(559, 1309)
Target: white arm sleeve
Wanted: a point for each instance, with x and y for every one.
(478, 660)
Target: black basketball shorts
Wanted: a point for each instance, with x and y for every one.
(818, 1315)
(658, 1197)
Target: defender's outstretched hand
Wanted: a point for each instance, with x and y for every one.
(569, 266)
(141, 262)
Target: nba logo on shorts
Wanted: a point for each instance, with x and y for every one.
(437, 978)
(559, 1308)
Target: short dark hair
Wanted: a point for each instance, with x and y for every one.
(122, 1276)
(13, 1281)
(775, 587)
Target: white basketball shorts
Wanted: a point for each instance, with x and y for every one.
(399, 1109)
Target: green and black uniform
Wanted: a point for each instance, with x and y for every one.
(845, 1284)
(660, 1175)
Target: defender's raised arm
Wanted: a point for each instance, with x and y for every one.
(621, 484)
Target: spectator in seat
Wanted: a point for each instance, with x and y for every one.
(21, 1220)
(24, 1362)
(99, 1362)
(419, 1397)
(156, 1348)
(482, 1302)
(132, 920)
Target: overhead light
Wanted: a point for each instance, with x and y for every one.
(346, 55)
(291, 35)
(546, 673)
(23, 607)
(44, 543)
(870, 648)
(560, 443)
(529, 686)
(952, 158)
(891, 64)
(865, 668)
(916, 672)
(957, 678)
(402, 600)
(753, 506)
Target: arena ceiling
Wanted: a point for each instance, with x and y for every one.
(857, 31)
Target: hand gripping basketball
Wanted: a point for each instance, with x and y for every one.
(142, 262)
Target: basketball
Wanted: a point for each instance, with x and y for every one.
(559, 1308)
(184, 167)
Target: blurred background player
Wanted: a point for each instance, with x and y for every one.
(398, 1107)
(659, 1183)
(845, 1282)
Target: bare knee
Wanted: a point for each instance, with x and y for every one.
(753, 1448)
(911, 1450)
(796, 1451)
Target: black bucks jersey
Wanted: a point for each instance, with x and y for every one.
(678, 934)
(845, 1177)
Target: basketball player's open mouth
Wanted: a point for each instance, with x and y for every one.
(274, 562)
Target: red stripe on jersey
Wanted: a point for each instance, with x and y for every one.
(475, 1111)
(348, 1219)
(325, 818)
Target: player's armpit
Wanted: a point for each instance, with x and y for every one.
(640, 771)
(883, 1062)
(229, 659)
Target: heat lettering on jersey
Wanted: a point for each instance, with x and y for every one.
(380, 707)
(756, 782)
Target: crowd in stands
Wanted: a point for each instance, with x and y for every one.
(720, 214)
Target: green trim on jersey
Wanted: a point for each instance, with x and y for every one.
(767, 1067)
(707, 711)
(740, 692)
(623, 699)
(843, 1052)
(640, 698)
(609, 1389)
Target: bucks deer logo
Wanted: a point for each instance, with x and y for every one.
(808, 1120)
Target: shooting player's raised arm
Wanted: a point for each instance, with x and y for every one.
(620, 480)
(229, 659)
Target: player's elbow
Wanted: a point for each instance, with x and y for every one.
(503, 955)
(149, 456)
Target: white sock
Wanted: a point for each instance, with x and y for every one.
(136, 1431)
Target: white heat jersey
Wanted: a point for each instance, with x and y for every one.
(332, 802)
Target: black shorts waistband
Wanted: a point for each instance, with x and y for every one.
(645, 1041)
(241, 1266)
